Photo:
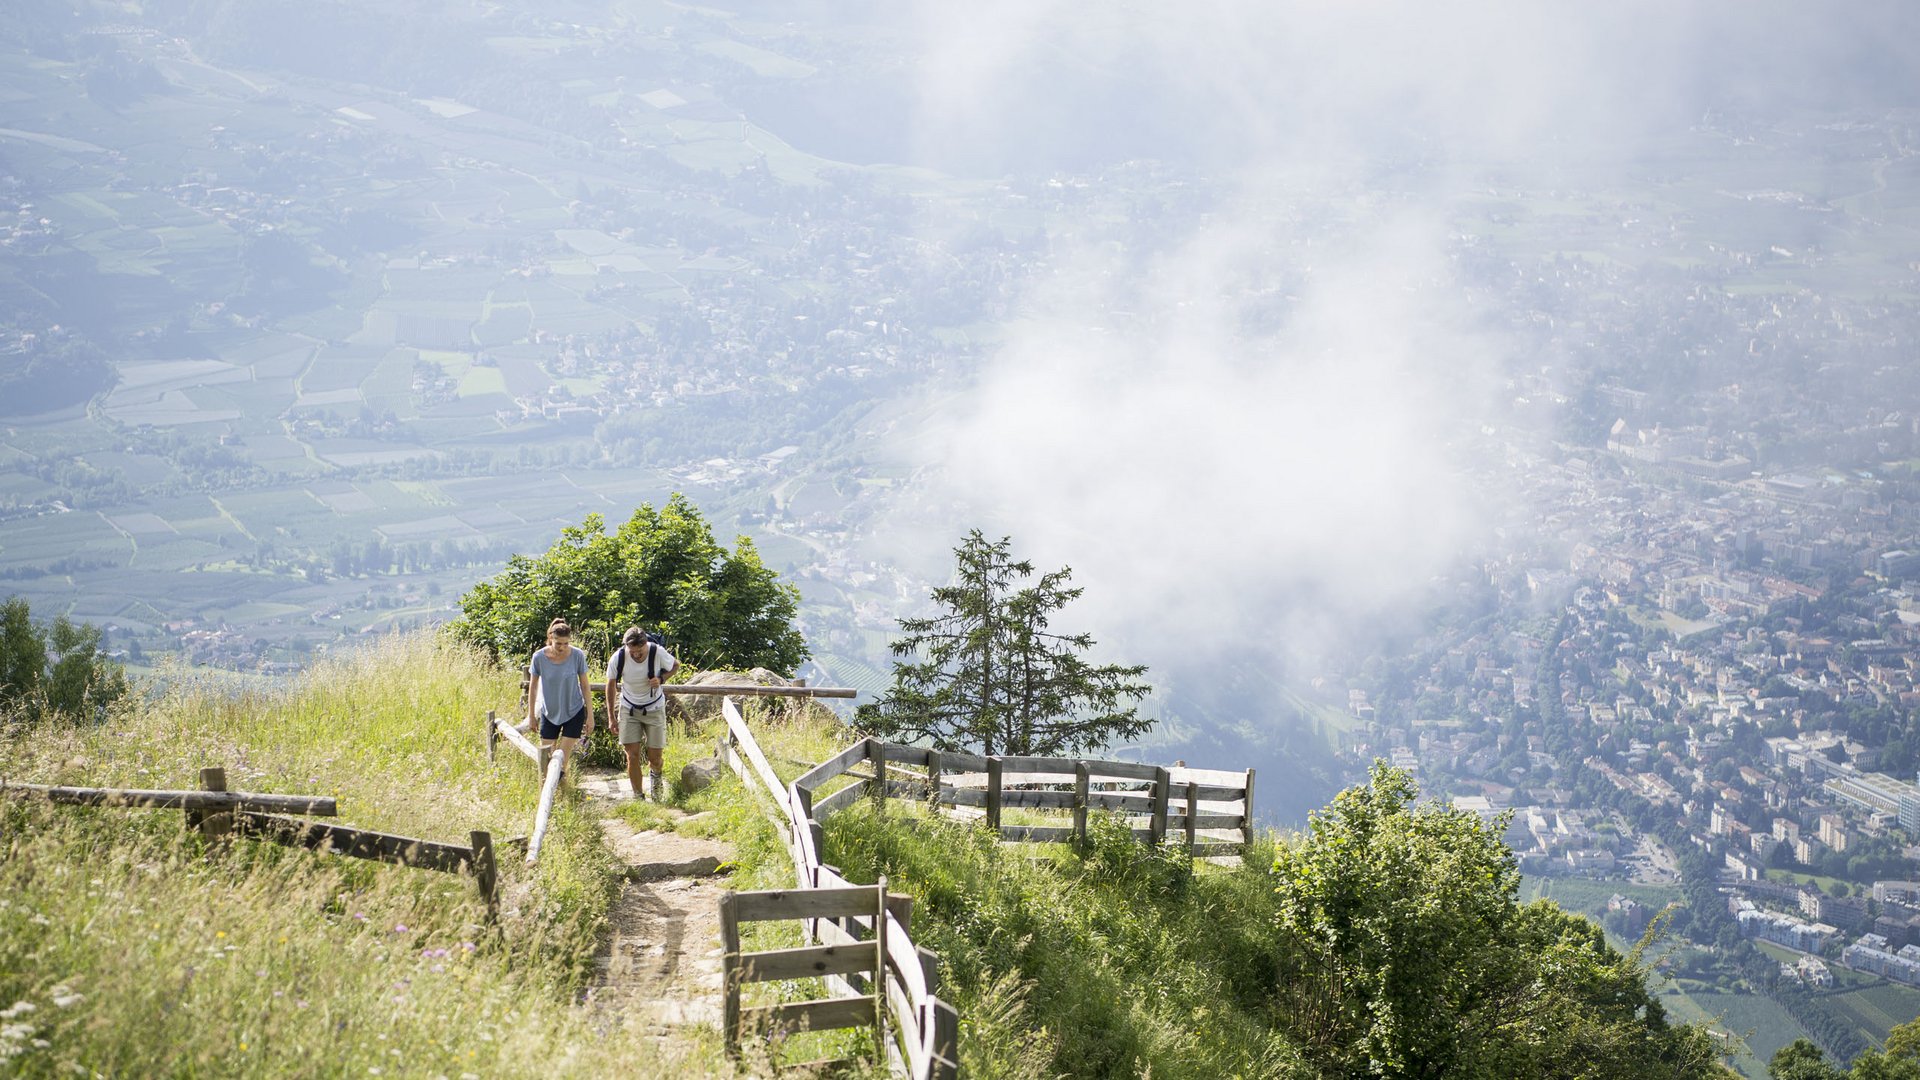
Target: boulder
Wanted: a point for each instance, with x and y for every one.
(705, 707)
(699, 774)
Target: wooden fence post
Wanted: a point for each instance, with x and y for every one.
(212, 822)
(933, 779)
(1193, 814)
(493, 737)
(1162, 782)
(946, 1041)
(1080, 784)
(540, 756)
(730, 973)
(1246, 823)
(880, 782)
(993, 793)
(484, 870)
(880, 970)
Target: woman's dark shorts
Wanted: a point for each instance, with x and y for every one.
(569, 730)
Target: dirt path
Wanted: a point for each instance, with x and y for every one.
(661, 964)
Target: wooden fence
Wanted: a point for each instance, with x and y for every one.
(1209, 810)
(214, 811)
(924, 1030)
(866, 959)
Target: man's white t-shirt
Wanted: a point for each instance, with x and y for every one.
(632, 674)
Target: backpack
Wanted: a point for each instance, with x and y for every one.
(654, 641)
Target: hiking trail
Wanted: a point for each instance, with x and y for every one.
(660, 966)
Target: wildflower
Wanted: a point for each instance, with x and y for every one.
(359, 916)
(220, 933)
(243, 1046)
(66, 999)
(18, 1008)
(467, 945)
(400, 928)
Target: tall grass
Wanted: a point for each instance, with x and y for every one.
(1125, 962)
(129, 947)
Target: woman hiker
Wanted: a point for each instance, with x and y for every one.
(558, 691)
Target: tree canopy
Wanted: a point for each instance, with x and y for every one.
(990, 672)
(661, 570)
(1416, 960)
(1900, 1060)
(58, 670)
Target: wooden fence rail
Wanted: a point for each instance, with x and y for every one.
(1209, 810)
(898, 977)
(206, 801)
(214, 811)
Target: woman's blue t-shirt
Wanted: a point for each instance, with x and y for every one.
(559, 682)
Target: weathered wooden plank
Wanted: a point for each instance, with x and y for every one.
(1122, 770)
(904, 755)
(1214, 793)
(556, 766)
(833, 903)
(1185, 774)
(354, 843)
(1192, 819)
(807, 962)
(1217, 821)
(1060, 765)
(198, 801)
(962, 796)
(1081, 779)
(837, 764)
(520, 742)
(839, 800)
(943, 1040)
(1139, 803)
(903, 961)
(1036, 834)
(1160, 786)
(995, 794)
(755, 690)
(960, 762)
(750, 749)
(1246, 834)
(907, 789)
(1010, 799)
(485, 870)
(823, 1014)
(730, 973)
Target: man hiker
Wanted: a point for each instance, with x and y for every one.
(558, 689)
(634, 676)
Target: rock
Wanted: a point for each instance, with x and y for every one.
(699, 774)
(703, 708)
(666, 870)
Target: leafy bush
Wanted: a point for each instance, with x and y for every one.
(57, 670)
(661, 569)
(1385, 942)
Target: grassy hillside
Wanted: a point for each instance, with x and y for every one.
(128, 947)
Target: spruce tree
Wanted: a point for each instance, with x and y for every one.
(989, 672)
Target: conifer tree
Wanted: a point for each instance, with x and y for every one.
(990, 673)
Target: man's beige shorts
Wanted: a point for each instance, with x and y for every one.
(643, 727)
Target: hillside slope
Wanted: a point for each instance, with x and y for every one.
(130, 947)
